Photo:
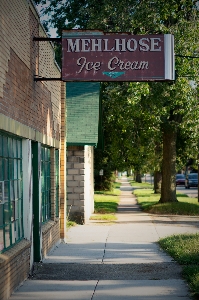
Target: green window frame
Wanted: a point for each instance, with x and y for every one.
(45, 184)
(11, 191)
(57, 182)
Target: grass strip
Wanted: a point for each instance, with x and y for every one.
(149, 202)
(140, 185)
(70, 224)
(184, 249)
(106, 203)
(103, 217)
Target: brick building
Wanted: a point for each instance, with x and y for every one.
(45, 138)
(82, 100)
(32, 145)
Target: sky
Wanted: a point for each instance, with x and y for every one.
(52, 31)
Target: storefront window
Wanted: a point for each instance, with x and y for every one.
(45, 183)
(57, 182)
(11, 202)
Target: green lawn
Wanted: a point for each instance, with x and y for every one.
(184, 249)
(149, 202)
(106, 203)
(140, 185)
(70, 224)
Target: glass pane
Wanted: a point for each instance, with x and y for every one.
(46, 183)
(42, 153)
(13, 232)
(43, 199)
(7, 236)
(20, 188)
(1, 147)
(1, 239)
(16, 210)
(6, 213)
(16, 189)
(19, 219)
(10, 148)
(15, 168)
(46, 169)
(11, 168)
(19, 169)
(20, 228)
(5, 169)
(11, 190)
(17, 230)
(5, 146)
(1, 215)
(12, 211)
(49, 183)
(6, 191)
(1, 169)
(48, 154)
(19, 152)
(42, 184)
(14, 145)
(1, 192)
(20, 209)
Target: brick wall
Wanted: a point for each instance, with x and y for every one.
(34, 104)
(14, 268)
(75, 184)
(31, 110)
(50, 236)
(80, 195)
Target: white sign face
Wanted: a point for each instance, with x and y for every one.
(97, 56)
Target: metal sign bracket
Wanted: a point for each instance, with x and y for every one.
(43, 39)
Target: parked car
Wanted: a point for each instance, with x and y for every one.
(191, 180)
(180, 179)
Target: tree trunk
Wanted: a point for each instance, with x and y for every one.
(138, 177)
(128, 172)
(168, 188)
(157, 182)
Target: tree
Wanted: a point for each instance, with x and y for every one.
(170, 103)
(130, 128)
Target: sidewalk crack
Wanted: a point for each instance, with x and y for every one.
(101, 263)
(105, 247)
(94, 290)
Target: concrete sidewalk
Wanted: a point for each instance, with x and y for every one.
(120, 260)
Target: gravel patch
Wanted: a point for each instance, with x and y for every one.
(76, 271)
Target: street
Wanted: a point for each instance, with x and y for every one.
(192, 192)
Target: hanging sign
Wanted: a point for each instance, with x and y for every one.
(97, 56)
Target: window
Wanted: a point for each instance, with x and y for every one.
(57, 182)
(11, 201)
(45, 183)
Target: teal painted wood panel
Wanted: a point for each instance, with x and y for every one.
(82, 102)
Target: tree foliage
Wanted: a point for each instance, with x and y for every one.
(139, 117)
